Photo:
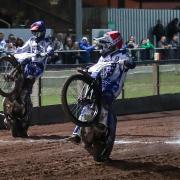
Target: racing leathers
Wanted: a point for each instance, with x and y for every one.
(113, 78)
(34, 66)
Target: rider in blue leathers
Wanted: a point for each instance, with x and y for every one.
(113, 80)
(40, 46)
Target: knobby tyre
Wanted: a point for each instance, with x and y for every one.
(8, 86)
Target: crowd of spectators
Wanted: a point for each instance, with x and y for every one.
(166, 43)
(10, 44)
(167, 39)
(145, 47)
(71, 51)
(65, 48)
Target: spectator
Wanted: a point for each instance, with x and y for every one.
(77, 55)
(84, 45)
(173, 53)
(11, 43)
(19, 43)
(163, 45)
(174, 41)
(2, 41)
(69, 56)
(131, 43)
(163, 42)
(158, 31)
(57, 42)
(146, 53)
(172, 29)
(68, 45)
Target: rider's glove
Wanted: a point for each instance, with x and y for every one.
(125, 63)
(41, 55)
(121, 61)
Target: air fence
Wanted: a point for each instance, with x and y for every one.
(154, 76)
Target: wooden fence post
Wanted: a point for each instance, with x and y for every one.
(39, 92)
(123, 93)
(156, 82)
(36, 93)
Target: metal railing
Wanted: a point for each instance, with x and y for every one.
(140, 54)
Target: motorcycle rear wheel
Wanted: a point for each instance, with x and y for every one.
(8, 85)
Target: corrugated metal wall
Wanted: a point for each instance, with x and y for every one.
(139, 22)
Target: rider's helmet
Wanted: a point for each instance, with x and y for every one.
(111, 40)
(114, 38)
(38, 29)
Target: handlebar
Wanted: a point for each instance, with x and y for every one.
(28, 55)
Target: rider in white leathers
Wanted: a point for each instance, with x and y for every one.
(114, 77)
(38, 45)
(33, 56)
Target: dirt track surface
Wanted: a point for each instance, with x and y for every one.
(147, 147)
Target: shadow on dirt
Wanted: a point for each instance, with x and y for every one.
(48, 137)
(145, 166)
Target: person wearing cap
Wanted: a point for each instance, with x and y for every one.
(85, 56)
(112, 82)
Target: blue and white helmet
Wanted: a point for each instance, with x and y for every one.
(38, 29)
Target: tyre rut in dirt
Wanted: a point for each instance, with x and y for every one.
(7, 64)
(79, 100)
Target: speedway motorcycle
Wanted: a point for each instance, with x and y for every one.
(12, 86)
(81, 100)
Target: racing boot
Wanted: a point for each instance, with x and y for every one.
(76, 136)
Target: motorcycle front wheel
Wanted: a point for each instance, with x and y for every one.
(81, 100)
